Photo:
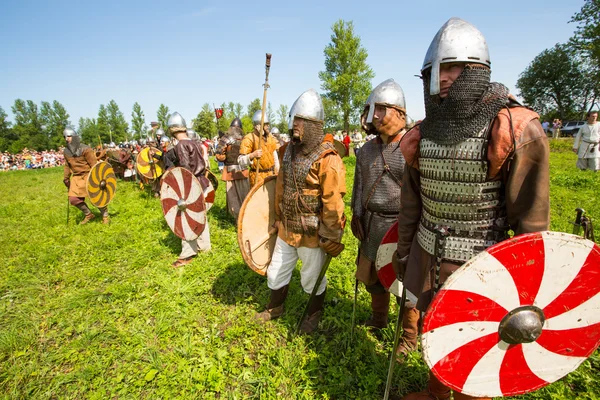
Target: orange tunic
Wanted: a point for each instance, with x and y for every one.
(266, 163)
(77, 169)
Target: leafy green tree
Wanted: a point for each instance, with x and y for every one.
(162, 114)
(54, 119)
(103, 125)
(7, 136)
(587, 33)
(117, 122)
(137, 121)
(554, 80)
(28, 127)
(253, 107)
(282, 118)
(88, 129)
(333, 116)
(238, 110)
(347, 76)
(224, 122)
(204, 123)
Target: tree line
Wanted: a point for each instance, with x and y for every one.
(564, 81)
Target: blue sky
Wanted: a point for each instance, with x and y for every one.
(187, 53)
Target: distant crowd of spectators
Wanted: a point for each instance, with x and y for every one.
(30, 159)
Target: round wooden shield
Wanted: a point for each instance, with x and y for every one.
(209, 196)
(101, 184)
(516, 317)
(212, 178)
(149, 166)
(340, 148)
(256, 235)
(183, 204)
(383, 262)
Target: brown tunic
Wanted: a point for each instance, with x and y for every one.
(77, 169)
(525, 180)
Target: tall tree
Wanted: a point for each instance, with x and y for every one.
(587, 33)
(282, 118)
(103, 125)
(347, 76)
(238, 109)
(117, 122)
(137, 121)
(162, 114)
(88, 129)
(553, 81)
(204, 123)
(7, 136)
(28, 127)
(253, 107)
(333, 116)
(54, 119)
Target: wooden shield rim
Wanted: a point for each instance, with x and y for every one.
(201, 196)
(247, 259)
(337, 144)
(137, 162)
(212, 178)
(87, 182)
(534, 289)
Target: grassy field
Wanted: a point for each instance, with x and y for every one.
(98, 312)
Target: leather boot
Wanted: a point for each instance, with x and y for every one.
(410, 332)
(460, 396)
(275, 306)
(380, 303)
(314, 314)
(88, 215)
(436, 390)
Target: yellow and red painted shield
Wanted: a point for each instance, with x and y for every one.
(101, 184)
(149, 163)
(183, 203)
(516, 317)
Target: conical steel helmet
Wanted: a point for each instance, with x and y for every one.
(456, 41)
(69, 131)
(176, 121)
(275, 131)
(256, 118)
(309, 106)
(237, 123)
(388, 93)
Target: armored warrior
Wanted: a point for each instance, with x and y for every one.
(309, 210)
(236, 177)
(265, 157)
(376, 200)
(189, 156)
(79, 159)
(476, 169)
(587, 143)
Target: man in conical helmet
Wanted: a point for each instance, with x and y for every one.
(235, 177)
(265, 157)
(189, 156)
(476, 170)
(376, 200)
(309, 209)
(79, 160)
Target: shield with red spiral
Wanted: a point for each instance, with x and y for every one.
(183, 203)
(383, 263)
(516, 317)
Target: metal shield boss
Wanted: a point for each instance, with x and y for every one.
(256, 235)
(516, 317)
(149, 163)
(101, 184)
(182, 199)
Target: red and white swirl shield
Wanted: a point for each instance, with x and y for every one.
(209, 196)
(383, 262)
(464, 332)
(183, 203)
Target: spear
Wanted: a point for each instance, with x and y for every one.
(264, 108)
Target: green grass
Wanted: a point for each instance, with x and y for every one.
(98, 312)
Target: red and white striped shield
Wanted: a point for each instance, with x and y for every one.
(516, 317)
(383, 263)
(183, 203)
(209, 195)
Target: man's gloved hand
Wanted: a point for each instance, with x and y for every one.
(67, 182)
(330, 247)
(357, 229)
(399, 265)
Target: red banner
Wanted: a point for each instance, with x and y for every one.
(218, 112)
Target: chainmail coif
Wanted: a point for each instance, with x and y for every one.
(471, 104)
(312, 137)
(75, 148)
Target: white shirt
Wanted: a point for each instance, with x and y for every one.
(586, 141)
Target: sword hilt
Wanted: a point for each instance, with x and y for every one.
(577, 223)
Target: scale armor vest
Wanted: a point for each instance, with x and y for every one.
(384, 203)
(456, 195)
(301, 211)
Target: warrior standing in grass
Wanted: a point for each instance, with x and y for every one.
(79, 160)
(309, 209)
(189, 156)
(476, 168)
(376, 200)
(259, 154)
